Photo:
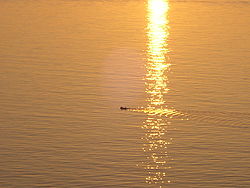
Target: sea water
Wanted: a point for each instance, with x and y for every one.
(67, 66)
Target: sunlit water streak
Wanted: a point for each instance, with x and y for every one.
(156, 140)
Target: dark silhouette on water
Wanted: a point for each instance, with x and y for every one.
(125, 108)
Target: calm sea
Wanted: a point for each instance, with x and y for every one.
(182, 67)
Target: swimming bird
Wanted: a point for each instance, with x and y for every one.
(124, 108)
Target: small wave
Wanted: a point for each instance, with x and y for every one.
(227, 119)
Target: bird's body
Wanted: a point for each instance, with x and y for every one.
(124, 108)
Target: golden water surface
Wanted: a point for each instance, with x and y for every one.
(67, 66)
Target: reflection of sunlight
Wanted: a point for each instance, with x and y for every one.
(170, 113)
(156, 84)
(156, 140)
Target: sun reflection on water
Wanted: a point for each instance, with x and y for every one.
(156, 140)
(158, 63)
